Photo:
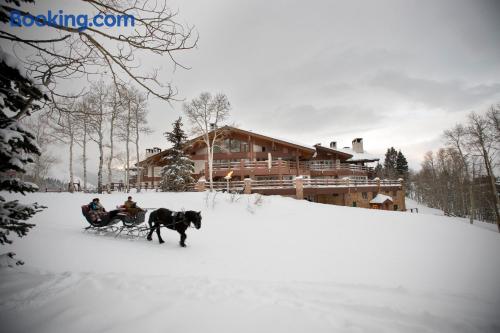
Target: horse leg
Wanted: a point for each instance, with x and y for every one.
(183, 238)
(152, 225)
(159, 233)
(150, 233)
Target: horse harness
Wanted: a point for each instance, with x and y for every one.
(177, 218)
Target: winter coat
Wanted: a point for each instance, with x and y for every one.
(95, 206)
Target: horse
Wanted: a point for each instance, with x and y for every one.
(178, 221)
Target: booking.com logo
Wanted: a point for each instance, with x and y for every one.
(81, 21)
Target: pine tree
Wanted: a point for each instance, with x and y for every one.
(177, 174)
(379, 171)
(402, 165)
(18, 97)
(390, 162)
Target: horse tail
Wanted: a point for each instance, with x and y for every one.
(152, 218)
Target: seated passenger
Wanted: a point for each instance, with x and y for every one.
(96, 210)
(131, 207)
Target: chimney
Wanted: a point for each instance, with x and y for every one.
(357, 145)
(318, 144)
(152, 151)
(212, 126)
(333, 144)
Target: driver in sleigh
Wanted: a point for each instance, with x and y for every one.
(130, 207)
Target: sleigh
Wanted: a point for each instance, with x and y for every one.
(117, 224)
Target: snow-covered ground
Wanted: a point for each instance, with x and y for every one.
(280, 265)
(422, 209)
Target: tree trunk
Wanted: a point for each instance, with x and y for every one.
(36, 176)
(471, 195)
(110, 161)
(127, 147)
(71, 186)
(100, 145)
(127, 165)
(210, 167)
(84, 155)
(470, 178)
(101, 161)
(137, 149)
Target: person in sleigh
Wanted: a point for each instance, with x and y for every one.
(130, 207)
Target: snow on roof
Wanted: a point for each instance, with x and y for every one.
(380, 199)
(359, 156)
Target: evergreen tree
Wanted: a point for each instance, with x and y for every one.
(18, 97)
(177, 173)
(402, 165)
(390, 162)
(379, 171)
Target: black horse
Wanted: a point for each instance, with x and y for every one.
(179, 221)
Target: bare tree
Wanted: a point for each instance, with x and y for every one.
(39, 125)
(205, 114)
(69, 53)
(82, 120)
(115, 104)
(139, 125)
(483, 139)
(456, 138)
(131, 123)
(124, 129)
(97, 101)
(65, 130)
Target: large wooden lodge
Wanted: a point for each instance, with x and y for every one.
(262, 164)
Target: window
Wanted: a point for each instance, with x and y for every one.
(365, 195)
(244, 147)
(354, 204)
(217, 149)
(395, 207)
(234, 146)
(263, 148)
(394, 193)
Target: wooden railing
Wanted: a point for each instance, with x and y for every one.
(304, 165)
(233, 185)
(273, 183)
(307, 183)
(318, 182)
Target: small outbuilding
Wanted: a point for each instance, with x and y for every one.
(381, 201)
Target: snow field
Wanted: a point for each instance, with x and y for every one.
(281, 265)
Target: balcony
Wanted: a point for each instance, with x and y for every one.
(281, 167)
(307, 186)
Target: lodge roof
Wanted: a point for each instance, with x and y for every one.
(331, 150)
(348, 153)
(284, 142)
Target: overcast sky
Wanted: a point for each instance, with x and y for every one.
(396, 73)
